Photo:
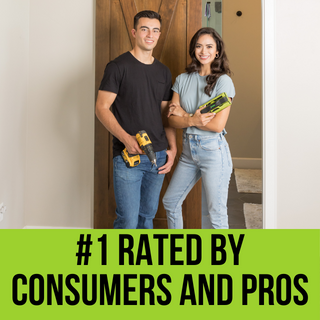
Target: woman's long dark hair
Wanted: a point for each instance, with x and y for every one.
(219, 66)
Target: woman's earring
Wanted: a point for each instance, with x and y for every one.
(217, 55)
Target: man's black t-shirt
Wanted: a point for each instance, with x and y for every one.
(140, 89)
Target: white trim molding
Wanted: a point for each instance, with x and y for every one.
(247, 163)
(269, 116)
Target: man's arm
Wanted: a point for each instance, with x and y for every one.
(104, 101)
(171, 137)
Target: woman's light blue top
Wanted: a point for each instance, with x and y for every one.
(190, 88)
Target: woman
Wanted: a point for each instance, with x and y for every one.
(205, 150)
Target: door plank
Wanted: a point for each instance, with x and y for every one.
(175, 40)
(192, 204)
(194, 9)
(166, 12)
(101, 140)
(129, 10)
(120, 40)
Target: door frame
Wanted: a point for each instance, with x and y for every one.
(269, 126)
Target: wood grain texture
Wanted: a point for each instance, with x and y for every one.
(173, 57)
(101, 149)
(148, 5)
(173, 53)
(194, 18)
(192, 204)
(119, 39)
(129, 10)
(114, 20)
(166, 12)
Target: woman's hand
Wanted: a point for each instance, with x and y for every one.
(176, 110)
(202, 119)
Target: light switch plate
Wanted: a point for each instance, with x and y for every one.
(3, 209)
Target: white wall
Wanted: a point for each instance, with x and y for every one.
(60, 127)
(49, 140)
(297, 28)
(14, 21)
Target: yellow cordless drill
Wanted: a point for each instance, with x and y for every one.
(132, 160)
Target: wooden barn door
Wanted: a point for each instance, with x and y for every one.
(114, 20)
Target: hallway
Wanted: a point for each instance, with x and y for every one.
(235, 206)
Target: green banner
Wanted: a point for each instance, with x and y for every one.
(143, 274)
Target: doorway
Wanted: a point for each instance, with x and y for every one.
(103, 171)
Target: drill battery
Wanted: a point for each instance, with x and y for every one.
(131, 160)
(216, 104)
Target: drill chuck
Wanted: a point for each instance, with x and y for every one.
(148, 150)
(146, 146)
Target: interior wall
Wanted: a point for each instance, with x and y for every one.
(14, 21)
(243, 38)
(298, 113)
(60, 119)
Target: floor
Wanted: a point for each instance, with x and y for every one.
(235, 206)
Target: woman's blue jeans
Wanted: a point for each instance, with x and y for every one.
(206, 157)
(137, 192)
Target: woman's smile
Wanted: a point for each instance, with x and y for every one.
(206, 49)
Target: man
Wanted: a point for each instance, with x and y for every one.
(138, 87)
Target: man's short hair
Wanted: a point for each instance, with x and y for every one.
(145, 14)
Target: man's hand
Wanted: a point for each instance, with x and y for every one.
(170, 160)
(132, 145)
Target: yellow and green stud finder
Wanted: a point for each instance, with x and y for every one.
(216, 104)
